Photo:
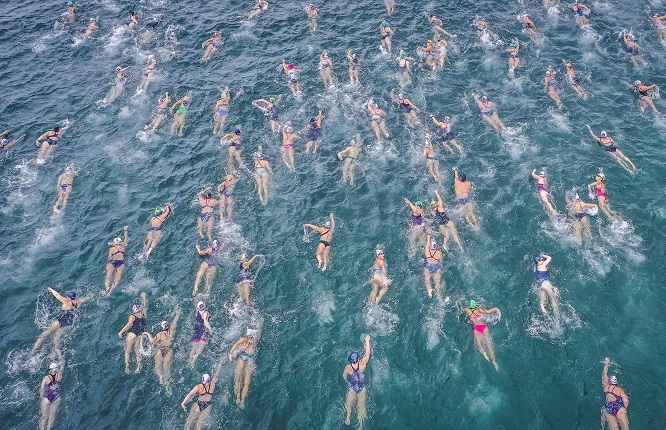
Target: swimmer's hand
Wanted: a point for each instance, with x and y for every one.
(606, 361)
(230, 357)
(120, 335)
(184, 408)
(126, 228)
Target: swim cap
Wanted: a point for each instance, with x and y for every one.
(249, 332)
(419, 203)
(432, 15)
(576, 197)
(244, 257)
(311, 6)
(71, 295)
(136, 309)
(462, 177)
(430, 41)
(401, 96)
(118, 69)
(548, 72)
(602, 176)
(158, 212)
(205, 378)
(537, 259)
(612, 380)
(70, 3)
(165, 325)
(258, 155)
(433, 245)
(229, 178)
(4, 141)
(379, 252)
(447, 118)
(603, 133)
(53, 366)
(208, 195)
(484, 98)
(637, 83)
(324, 54)
(56, 129)
(403, 55)
(238, 131)
(426, 144)
(354, 357)
(384, 23)
(289, 129)
(117, 241)
(569, 65)
(215, 244)
(513, 44)
(69, 170)
(479, 17)
(472, 304)
(327, 224)
(542, 174)
(272, 99)
(433, 204)
(201, 306)
(290, 66)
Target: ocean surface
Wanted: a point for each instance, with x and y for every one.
(425, 372)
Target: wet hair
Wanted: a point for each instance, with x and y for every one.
(462, 177)
(56, 129)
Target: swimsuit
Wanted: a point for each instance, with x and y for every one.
(200, 331)
(293, 77)
(205, 216)
(203, 405)
(353, 64)
(432, 267)
(542, 187)
(159, 227)
(65, 186)
(164, 350)
(540, 276)
(478, 327)
(578, 216)
(52, 139)
(417, 219)
(139, 325)
(117, 263)
(610, 147)
(247, 358)
(601, 193)
(52, 390)
(326, 244)
(441, 217)
(211, 259)
(463, 200)
(448, 134)
(223, 109)
(272, 113)
(357, 379)
(613, 407)
(487, 110)
(244, 273)
(66, 317)
(182, 108)
(552, 83)
(228, 190)
(314, 133)
(405, 107)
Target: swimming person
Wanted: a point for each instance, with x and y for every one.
(92, 26)
(115, 262)
(552, 88)
(354, 376)
(59, 326)
(432, 164)
(462, 188)
(489, 112)
(314, 134)
(69, 16)
(234, 140)
(287, 149)
(313, 16)
(262, 170)
(135, 327)
(447, 134)
(64, 187)
(482, 30)
(616, 401)
(353, 67)
(572, 79)
(155, 231)
(350, 155)
(245, 363)
(390, 6)
(661, 28)
(131, 20)
(417, 228)
(581, 12)
(428, 51)
(269, 107)
(446, 225)
(226, 192)
(148, 74)
(149, 32)
(514, 60)
(437, 29)
(5, 143)
(543, 286)
(206, 218)
(210, 46)
(379, 280)
(599, 187)
(386, 33)
(324, 245)
(404, 69)
(199, 415)
(47, 143)
(482, 338)
(202, 333)
(644, 92)
(164, 352)
(245, 277)
(609, 146)
(633, 49)
(181, 107)
(161, 113)
(221, 111)
(292, 76)
(409, 110)
(528, 27)
(261, 6)
(208, 266)
(326, 69)
(542, 189)
(578, 212)
(433, 265)
(377, 119)
(440, 52)
(50, 394)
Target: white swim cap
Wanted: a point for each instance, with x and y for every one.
(327, 224)
(4, 141)
(602, 176)
(136, 309)
(612, 380)
(215, 244)
(53, 366)
(118, 69)
(542, 173)
(433, 245)
(289, 129)
(165, 325)
(576, 196)
(637, 83)
(401, 96)
(117, 241)
(201, 306)
(603, 133)
(244, 257)
(251, 332)
(205, 378)
(447, 118)
(379, 252)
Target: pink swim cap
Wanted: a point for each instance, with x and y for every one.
(290, 66)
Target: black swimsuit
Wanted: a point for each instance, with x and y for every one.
(326, 244)
(203, 405)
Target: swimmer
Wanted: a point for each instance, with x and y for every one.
(528, 27)
(234, 140)
(64, 187)
(61, 325)
(609, 146)
(50, 394)
(120, 82)
(417, 229)
(245, 277)
(6, 143)
(643, 93)
(390, 6)
(245, 363)
(432, 164)
(433, 263)
(482, 338)
(386, 32)
(199, 415)
(314, 134)
(161, 113)
(581, 12)
(269, 107)
(155, 231)
(616, 401)
(552, 88)
(226, 192)
(350, 155)
(429, 51)
(440, 52)
(261, 6)
(354, 376)
(287, 150)
(324, 245)
(481, 26)
(404, 69)
(462, 188)
(326, 69)
(437, 29)
(208, 266)
(579, 222)
(164, 351)
(599, 187)
(181, 107)
(210, 46)
(221, 111)
(150, 31)
(262, 170)
(115, 262)
(661, 28)
(514, 60)
(379, 280)
(543, 286)
(489, 112)
(447, 135)
(572, 79)
(148, 73)
(92, 26)
(353, 67)
(202, 333)
(292, 76)
(131, 21)
(47, 143)
(446, 225)
(206, 218)
(408, 110)
(135, 327)
(542, 188)
(377, 120)
(633, 49)
(313, 16)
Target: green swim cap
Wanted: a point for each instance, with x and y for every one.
(158, 212)
(472, 304)
(384, 23)
(419, 203)
(272, 99)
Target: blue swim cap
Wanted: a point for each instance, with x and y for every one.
(237, 131)
(71, 295)
(537, 259)
(353, 357)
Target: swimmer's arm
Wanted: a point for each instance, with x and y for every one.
(207, 322)
(268, 166)
(604, 374)
(57, 295)
(349, 55)
(440, 203)
(59, 181)
(332, 222)
(319, 118)
(233, 348)
(150, 338)
(427, 244)
(251, 260)
(589, 186)
(42, 386)
(589, 205)
(130, 320)
(108, 258)
(189, 396)
(343, 152)
(411, 205)
(167, 212)
(227, 136)
(625, 399)
(547, 259)
(204, 252)
(490, 311)
(175, 105)
(455, 174)
(144, 303)
(345, 373)
(284, 65)
(4, 133)
(174, 323)
(534, 175)
(366, 357)
(125, 231)
(591, 132)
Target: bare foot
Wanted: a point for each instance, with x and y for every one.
(138, 370)
(348, 421)
(430, 293)
(496, 365)
(127, 370)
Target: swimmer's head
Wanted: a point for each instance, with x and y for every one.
(258, 156)
(447, 118)
(479, 17)
(601, 176)
(472, 304)
(419, 203)
(215, 244)
(630, 37)
(542, 174)
(238, 131)
(201, 306)
(430, 42)
(118, 69)
(384, 24)
(548, 73)
(249, 332)
(513, 44)
(433, 204)
(484, 98)
(538, 259)
(353, 56)
(229, 178)
(131, 13)
(117, 241)
(426, 144)
(576, 197)
(136, 309)
(603, 133)
(205, 378)
(432, 15)
(244, 257)
(462, 177)
(289, 129)
(69, 170)
(311, 6)
(151, 57)
(568, 65)
(271, 99)
(379, 252)
(290, 66)
(3, 142)
(313, 120)
(216, 34)
(433, 245)
(71, 295)
(612, 380)
(324, 54)
(403, 55)
(401, 96)
(53, 367)
(354, 357)
(158, 212)
(93, 19)
(207, 195)
(70, 3)
(327, 224)
(56, 129)
(637, 83)
(165, 325)
(355, 143)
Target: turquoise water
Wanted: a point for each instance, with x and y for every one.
(424, 371)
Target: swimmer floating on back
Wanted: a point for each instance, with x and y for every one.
(417, 228)
(206, 219)
(261, 6)
(314, 133)
(644, 93)
(181, 107)
(161, 113)
(448, 138)
(551, 87)
(221, 111)
(598, 187)
(379, 280)
(269, 107)
(432, 164)
(446, 225)
(514, 60)
(226, 192)
(326, 69)
(292, 76)
(155, 231)
(386, 33)
(578, 213)
(202, 333)
(633, 49)
(377, 119)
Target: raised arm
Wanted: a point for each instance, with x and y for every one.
(547, 260)
(332, 222)
(189, 397)
(126, 235)
(206, 320)
(57, 295)
(604, 373)
(438, 123)
(174, 323)
(175, 105)
(366, 356)
(251, 260)
(534, 174)
(591, 132)
(144, 303)
(343, 152)
(440, 203)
